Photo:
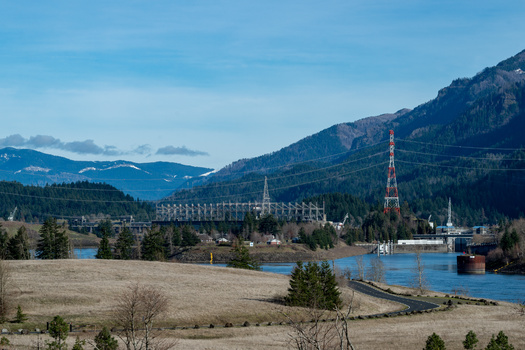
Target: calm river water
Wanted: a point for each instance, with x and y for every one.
(440, 273)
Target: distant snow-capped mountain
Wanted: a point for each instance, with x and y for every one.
(146, 181)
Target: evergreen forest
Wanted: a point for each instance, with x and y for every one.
(69, 200)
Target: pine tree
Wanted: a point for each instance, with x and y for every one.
(104, 340)
(58, 329)
(268, 224)
(4, 239)
(104, 250)
(153, 245)
(189, 238)
(18, 245)
(501, 342)
(331, 293)
(79, 344)
(470, 341)
(53, 243)
(105, 227)
(313, 285)
(167, 237)
(434, 342)
(124, 244)
(20, 316)
(175, 237)
(297, 292)
(241, 257)
(248, 225)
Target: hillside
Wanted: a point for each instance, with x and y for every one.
(68, 200)
(84, 293)
(146, 181)
(464, 144)
(321, 147)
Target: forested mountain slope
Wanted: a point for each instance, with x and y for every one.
(323, 146)
(464, 144)
(36, 203)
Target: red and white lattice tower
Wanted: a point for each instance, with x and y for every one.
(391, 197)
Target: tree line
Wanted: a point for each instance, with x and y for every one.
(159, 243)
(35, 203)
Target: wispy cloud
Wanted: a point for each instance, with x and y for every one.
(89, 147)
(181, 151)
(142, 149)
(46, 141)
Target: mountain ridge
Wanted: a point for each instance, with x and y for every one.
(146, 181)
(462, 136)
(455, 100)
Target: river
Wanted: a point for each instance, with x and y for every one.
(440, 273)
(439, 269)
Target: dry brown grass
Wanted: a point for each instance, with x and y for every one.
(84, 291)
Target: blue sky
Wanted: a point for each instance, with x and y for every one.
(206, 83)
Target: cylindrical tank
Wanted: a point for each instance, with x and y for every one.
(471, 264)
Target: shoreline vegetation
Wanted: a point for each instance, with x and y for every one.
(286, 253)
(497, 262)
(84, 292)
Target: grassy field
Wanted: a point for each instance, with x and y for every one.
(85, 291)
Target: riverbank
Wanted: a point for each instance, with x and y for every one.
(513, 268)
(285, 253)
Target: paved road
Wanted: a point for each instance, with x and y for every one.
(412, 305)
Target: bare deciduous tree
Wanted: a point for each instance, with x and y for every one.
(135, 311)
(376, 272)
(360, 267)
(420, 281)
(317, 334)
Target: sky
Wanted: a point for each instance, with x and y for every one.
(206, 83)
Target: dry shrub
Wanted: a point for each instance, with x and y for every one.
(495, 256)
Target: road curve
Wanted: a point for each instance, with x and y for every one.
(411, 304)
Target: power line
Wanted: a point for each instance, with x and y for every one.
(219, 185)
(96, 180)
(65, 199)
(453, 156)
(458, 167)
(281, 177)
(456, 146)
(301, 162)
(284, 187)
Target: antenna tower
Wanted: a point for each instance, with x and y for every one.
(266, 198)
(391, 196)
